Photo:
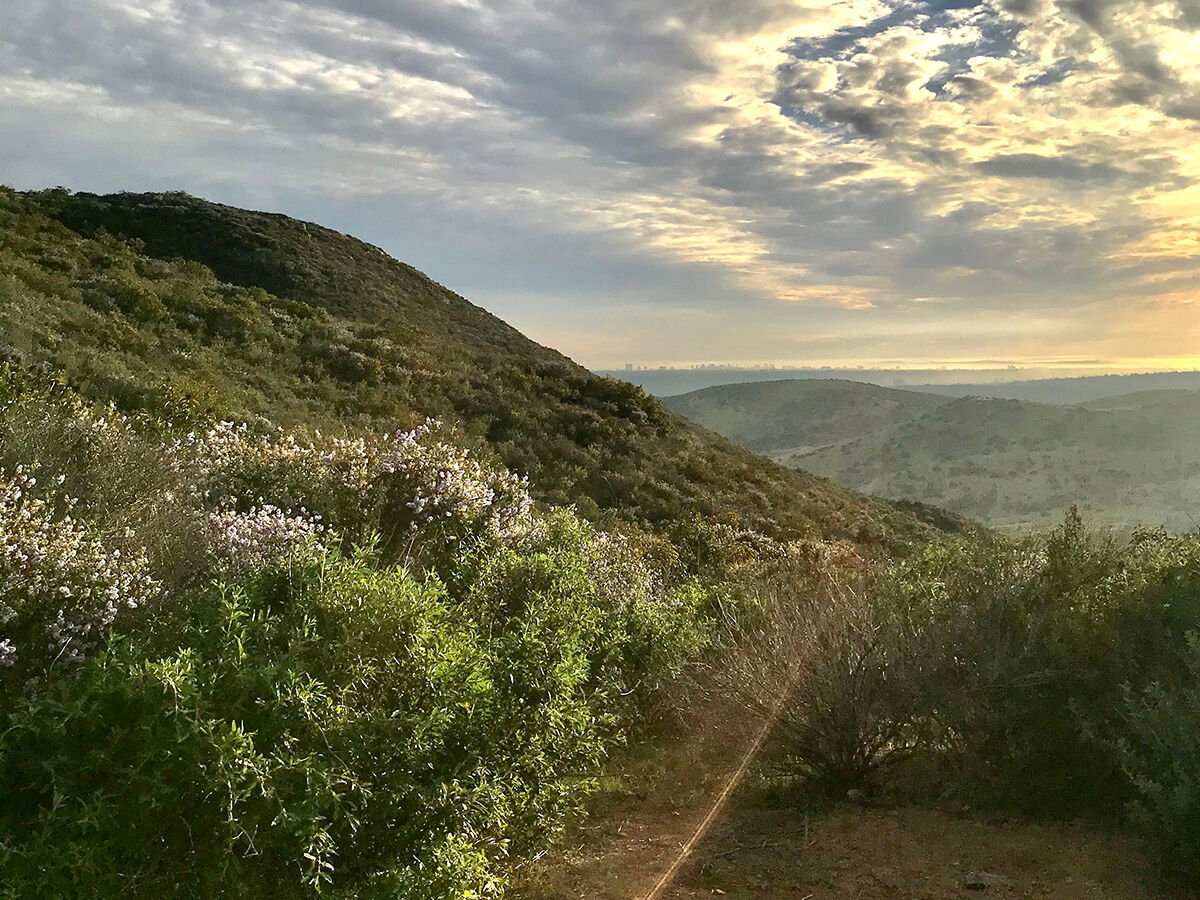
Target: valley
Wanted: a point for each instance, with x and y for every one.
(1126, 460)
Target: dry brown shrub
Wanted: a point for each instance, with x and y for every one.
(841, 673)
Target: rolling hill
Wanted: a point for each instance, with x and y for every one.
(1126, 460)
(1038, 386)
(1070, 391)
(168, 301)
(780, 418)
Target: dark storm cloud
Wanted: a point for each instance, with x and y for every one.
(1021, 9)
(1189, 13)
(1096, 13)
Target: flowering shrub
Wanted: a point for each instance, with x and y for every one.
(415, 490)
(240, 542)
(129, 489)
(233, 466)
(328, 725)
(437, 481)
(59, 589)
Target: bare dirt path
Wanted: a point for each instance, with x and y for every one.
(762, 850)
(640, 819)
(909, 852)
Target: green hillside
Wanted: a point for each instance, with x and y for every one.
(166, 301)
(1073, 391)
(1126, 460)
(1143, 400)
(780, 418)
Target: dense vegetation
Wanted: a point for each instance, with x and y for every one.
(261, 663)
(1057, 675)
(164, 301)
(264, 626)
(1127, 460)
(240, 660)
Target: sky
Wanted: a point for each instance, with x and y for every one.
(887, 183)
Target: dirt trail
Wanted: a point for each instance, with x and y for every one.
(641, 819)
(911, 852)
(639, 822)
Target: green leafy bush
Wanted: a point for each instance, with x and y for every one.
(1029, 644)
(1159, 752)
(299, 715)
(328, 724)
(296, 729)
(1052, 674)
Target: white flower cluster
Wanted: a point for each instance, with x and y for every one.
(239, 542)
(59, 589)
(438, 481)
(621, 572)
(409, 479)
(231, 466)
(235, 460)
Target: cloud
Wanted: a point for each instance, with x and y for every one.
(1057, 168)
(763, 176)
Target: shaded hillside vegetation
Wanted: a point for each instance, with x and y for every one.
(167, 301)
(1126, 460)
(783, 417)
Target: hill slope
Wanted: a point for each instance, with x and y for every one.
(1144, 400)
(1132, 459)
(154, 300)
(1074, 389)
(779, 418)
(1069, 391)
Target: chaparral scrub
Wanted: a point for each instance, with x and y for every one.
(1057, 674)
(367, 666)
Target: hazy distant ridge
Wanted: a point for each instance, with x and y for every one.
(961, 382)
(1132, 457)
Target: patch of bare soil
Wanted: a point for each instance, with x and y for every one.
(758, 849)
(642, 816)
(872, 854)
